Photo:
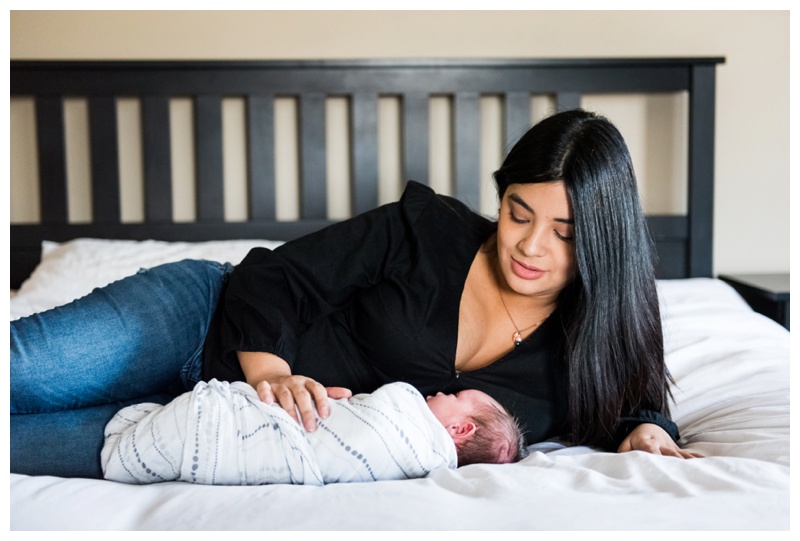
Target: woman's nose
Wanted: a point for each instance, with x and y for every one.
(533, 244)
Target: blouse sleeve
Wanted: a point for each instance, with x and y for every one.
(274, 295)
(627, 424)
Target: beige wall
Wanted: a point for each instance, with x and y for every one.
(752, 152)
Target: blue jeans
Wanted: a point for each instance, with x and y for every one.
(137, 340)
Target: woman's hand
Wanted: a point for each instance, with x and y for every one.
(274, 382)
(310, 397)
(653, 439)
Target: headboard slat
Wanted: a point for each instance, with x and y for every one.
(104, 159)
(52, 159)
(156, 158)
(567, 100)
(466, 130)
(208, 157)
(517, 117)
(261, 156)
(364, 151)
(313, 164)
(415, 136)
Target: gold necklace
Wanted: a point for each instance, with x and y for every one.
(517, 337)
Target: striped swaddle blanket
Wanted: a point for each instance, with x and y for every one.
(221, 433)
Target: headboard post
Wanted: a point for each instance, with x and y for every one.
(701, 170)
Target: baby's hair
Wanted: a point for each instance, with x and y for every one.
(498, 439)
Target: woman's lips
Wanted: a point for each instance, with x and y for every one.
(526, 272)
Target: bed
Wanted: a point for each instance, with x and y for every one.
(730, 364)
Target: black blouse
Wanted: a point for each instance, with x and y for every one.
(376, 299)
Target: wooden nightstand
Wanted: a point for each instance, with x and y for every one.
(767, 294)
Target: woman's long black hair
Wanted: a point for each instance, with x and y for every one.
(614, 346)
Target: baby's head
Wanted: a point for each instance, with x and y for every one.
(482, 430)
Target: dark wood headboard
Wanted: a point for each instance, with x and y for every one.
(684, 242)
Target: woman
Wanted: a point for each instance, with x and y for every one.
(552, 311)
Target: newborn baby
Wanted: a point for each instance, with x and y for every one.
(221, 433)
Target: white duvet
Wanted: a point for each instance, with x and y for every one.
(731, 368)
(221, 433)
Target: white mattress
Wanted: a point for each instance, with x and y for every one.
(731, 367)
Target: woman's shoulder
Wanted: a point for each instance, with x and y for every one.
(416, 197)
(419, 199)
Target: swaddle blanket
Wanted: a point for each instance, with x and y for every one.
(221, 433)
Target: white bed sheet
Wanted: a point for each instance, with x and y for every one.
(731, 367)
(594, 491)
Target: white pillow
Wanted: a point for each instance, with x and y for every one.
(70, 270)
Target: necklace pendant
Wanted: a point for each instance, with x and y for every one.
(517, 339)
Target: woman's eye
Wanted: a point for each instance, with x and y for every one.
(517, 220)
(564, 237)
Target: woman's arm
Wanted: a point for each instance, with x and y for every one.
(653, 439)
(274, 296)
(273, 380)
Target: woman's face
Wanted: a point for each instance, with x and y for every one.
(535, 239)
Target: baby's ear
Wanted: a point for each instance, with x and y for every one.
(504, 452)
(462, 431)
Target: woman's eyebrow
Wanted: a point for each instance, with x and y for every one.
(518, 200)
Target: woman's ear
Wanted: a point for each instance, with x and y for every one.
(462, 431)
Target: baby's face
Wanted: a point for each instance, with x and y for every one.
(454, 408)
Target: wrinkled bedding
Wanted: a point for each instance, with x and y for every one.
(731, 370)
